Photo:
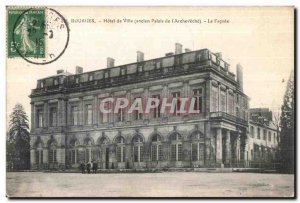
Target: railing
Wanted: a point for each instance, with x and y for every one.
(227, 116)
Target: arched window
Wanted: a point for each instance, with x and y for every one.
(138, 148)
(39, 154)
(156, 148)
(52, 153)
(73, 152)
(197, 146)
(120, 150)
(176, 146)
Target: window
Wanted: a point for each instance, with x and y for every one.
(76, 80)
(265, 135)
(197, 146)
(176, 147)
(74, 115)
(252, 131)
(156, 110)
(52, 154)
(91, 77)
(120, 151)
(230, 104)
(258, 133)
(156, 148)
(274, 137)
(138, 149)
(42, 84)
(269, 136)
(104, 117)
(223, 101)
(88, 114)
(197, 95)
(106, 75)
(40, 118)
(214, 100)
(55, 82)
(120, 117)
(140, 69)
(237, 111)
(177, 103)
(123, 71)
(53, 116)
(39, 154)
(137, 114)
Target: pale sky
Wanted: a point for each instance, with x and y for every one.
(261, 39)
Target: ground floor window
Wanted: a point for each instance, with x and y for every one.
(73, 156)
(176, 152)
(156, 152)
(120, 152)
(138, 153)
(39, 156)
(52, 156)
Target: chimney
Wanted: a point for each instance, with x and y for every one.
(78, 70)
(110, 62)
(219, 55)
(178, 48)
(59, 71)
(239, 76)
(187, 50)
(140, 56)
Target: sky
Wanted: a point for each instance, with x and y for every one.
(261, 39)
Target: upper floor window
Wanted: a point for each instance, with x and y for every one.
(120, 117)
(214, 99)
(269, 136)
(223, 101)
(91, 77)
(252, 131)
(176, 95)
(40, 118)
(258, 133)
(42, 84)
(53, 116)
(230, 104)
(74, 115)
(156, 110)
(76, 80)
(197, 95)
(88, 114)
(106, 74)
(123, 71)
(55, 82)
(140, 69)
(265, 135)
(137, 114)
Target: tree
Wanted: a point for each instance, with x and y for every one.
(18, 140)
(287, 128)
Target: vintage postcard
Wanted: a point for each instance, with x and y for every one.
(150, 102)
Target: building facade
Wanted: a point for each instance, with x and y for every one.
(68, 128)
(263, 138)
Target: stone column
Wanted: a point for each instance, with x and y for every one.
(59, 112)
(207, 143)
(228, 147)
(219, 150)
(32, 116)
(207, 101)
(238, 147)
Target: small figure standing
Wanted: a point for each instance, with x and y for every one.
(95, 167)
(82, 167)
(88, 167)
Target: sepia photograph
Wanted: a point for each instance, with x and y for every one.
(150, 102)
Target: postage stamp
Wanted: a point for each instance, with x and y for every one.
(26, 28)
(38, 35)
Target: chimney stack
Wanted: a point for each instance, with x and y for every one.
(239, 75)
(78, 70)
(219, 55)
(187, 50)
(140, 56)
(178, 48)
(59, 71)
(110, 62)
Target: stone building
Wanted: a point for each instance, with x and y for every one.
(67, 127)
(263, 138)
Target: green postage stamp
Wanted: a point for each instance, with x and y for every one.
(25, 32)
